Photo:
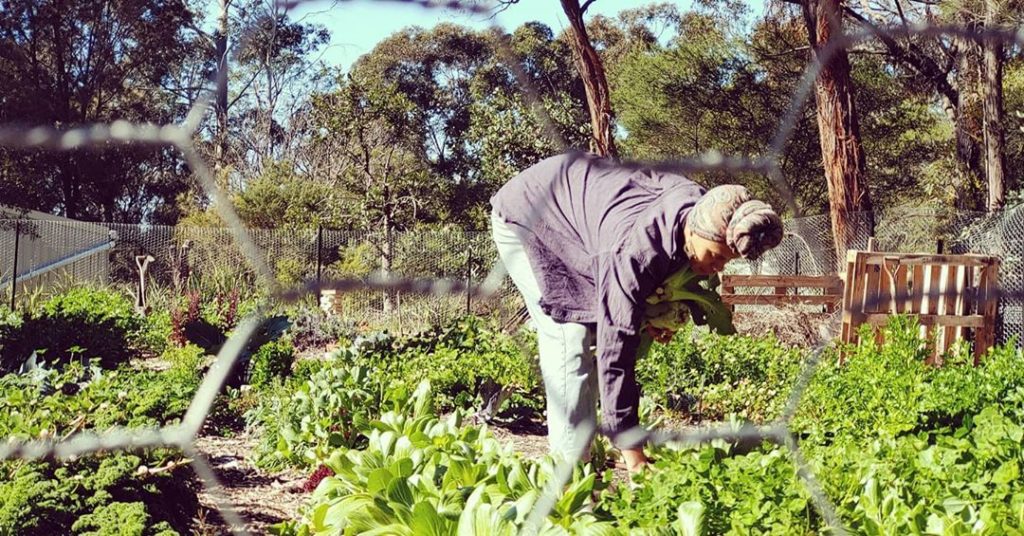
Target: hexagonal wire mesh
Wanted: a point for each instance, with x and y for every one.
(808, 239)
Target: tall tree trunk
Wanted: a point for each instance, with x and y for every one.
(965, 127)
(841, 151)
(992, 89)
(221, 104)
(594, 80)
(957, 94)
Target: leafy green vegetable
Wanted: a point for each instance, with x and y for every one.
(421, 475)
(698, 294)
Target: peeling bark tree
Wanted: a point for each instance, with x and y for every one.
(950, 74)
(992, 90)
(591, 69)
(594, 80)
(221, 103)
(841, 151)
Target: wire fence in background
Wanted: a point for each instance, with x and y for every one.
(54, 255)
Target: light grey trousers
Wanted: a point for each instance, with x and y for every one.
(566, 350)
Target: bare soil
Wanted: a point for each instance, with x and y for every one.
(263, 499)
(258, 498)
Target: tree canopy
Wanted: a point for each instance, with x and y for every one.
(424, 128)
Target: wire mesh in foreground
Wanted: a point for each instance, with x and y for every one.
(182, 137)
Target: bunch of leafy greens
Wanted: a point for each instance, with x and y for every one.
(683, 296)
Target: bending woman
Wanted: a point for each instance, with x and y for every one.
(586, 240)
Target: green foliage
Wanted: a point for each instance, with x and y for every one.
(419, 475)
(120, 519)
(469, 364)
(10, 330)
(889, 391)
(155, 334)
(753, 493)
(88, 494)
(52, 498)
(187, 363)
(271, 361)
(300, 424)
(322, 406)
(49, 403)
(899, 446)
(311, 328)
(125, 74)
(699, 297)
(358, 260)
(709, 376)
(964, 480)
(80, 323)
(280, 196)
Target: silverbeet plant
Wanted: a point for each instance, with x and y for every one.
(682, 297)
(327, 411)
(419, 475)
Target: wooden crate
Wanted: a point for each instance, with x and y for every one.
(952, 296)
(785, 290)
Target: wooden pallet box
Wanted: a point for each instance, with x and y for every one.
(952, 297)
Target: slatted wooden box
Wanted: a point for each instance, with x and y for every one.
(952, 296)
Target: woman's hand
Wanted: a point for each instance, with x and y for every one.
(660, 335)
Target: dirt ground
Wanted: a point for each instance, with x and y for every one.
(261, 499)
(258, 498)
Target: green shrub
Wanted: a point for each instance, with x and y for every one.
(120, 519)
(271, 361)
(312, 328)
(11, 323)
(710, 376)
(469, 365)
(80, 323)
(300, 426)
(304, 369)
(48, 497)
(156, 331)
(186, 363)
(44, 498)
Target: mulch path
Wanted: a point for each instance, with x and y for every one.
(258, 498)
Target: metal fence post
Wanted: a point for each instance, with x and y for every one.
(796, 263)
(319, 252)
(469, 280)
(14, 272)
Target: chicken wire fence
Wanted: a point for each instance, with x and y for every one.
(275, 280)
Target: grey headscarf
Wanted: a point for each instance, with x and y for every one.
(726, 214)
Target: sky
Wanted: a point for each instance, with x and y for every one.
(356, 26)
